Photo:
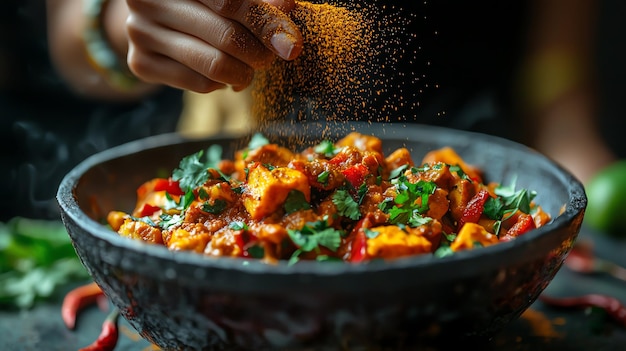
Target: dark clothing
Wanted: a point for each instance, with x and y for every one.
(45, 128)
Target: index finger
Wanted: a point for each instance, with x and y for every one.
(269, 23)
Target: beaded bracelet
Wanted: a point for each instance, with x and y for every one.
(100, 54)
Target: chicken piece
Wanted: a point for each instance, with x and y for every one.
(270, 154)
(268, 189)
(362, 142)
(116, 219)
(399, 157)
(449, 156)
(540, 216)
(438, 204)
(459, 196)
(392, 242)
(438, 173)
(470, 234)
(224, 243)
(182, 240)
(140, 230)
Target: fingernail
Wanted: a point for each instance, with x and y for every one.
(283, 43)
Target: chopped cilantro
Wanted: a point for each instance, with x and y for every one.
(405, 208)
(507, 203)
(216, 207)
(326, 148)
(322, 178)
(459, 171)
(183, 202)
(168, 221)
(256, 251)
(257, 140)
(192, 170)
(238, 226)
(346, 205)
(398, 172)
(371, 234)
(313, 236)
(296, 201)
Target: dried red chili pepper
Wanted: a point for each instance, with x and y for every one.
(79, 298)
(107, 340)
(613, 307)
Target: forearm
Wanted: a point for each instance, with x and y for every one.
(66, 25)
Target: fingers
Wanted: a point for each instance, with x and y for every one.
(266, 20)
(182, 61)
(194, 19)
(204, 45)
(284, 5)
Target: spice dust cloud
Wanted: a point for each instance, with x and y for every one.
(349, 69)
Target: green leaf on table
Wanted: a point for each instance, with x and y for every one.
(36, 257)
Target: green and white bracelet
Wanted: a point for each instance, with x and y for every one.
(99, 51)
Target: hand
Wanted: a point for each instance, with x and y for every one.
(204, 45)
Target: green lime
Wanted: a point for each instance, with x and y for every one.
(606, 200)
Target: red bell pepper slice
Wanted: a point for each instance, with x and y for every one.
(358, 251)
(356, 174)
(524, 224)
(474, 208)
(338, 159)
(169, 185)
(148, 210)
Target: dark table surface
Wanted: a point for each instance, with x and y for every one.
(541, 327)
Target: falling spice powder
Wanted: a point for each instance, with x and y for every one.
(326, 79)
(340, 74)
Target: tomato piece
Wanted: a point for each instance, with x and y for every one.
(148, 210)
(355, 174)
(169, 185)
(474, 208)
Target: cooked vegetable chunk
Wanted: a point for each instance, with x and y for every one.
(346, 201)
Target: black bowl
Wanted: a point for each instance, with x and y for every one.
(186, 301)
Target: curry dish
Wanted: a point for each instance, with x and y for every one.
(343, 200)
